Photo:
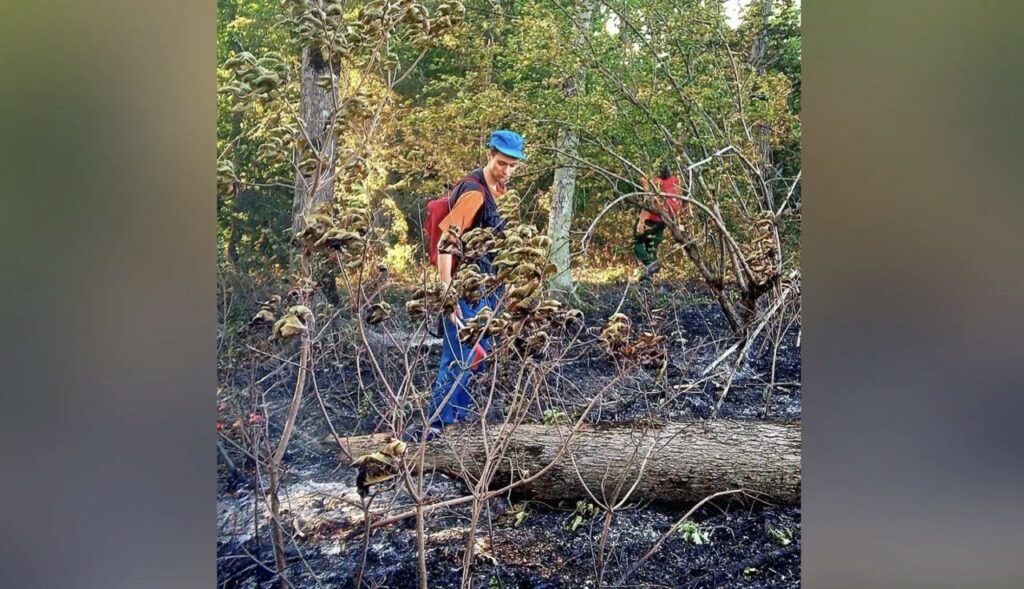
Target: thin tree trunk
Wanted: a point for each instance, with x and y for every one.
(761, 42)
(563, 190)
(421, 548)
(762, 132)
(234, 236)
(277, 458)
(563, 193)
(236, 188)
(315, 110)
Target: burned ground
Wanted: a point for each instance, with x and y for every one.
(523, 543)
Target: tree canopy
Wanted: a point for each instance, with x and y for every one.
(418, 87)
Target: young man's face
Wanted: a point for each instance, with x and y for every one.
(501, 166)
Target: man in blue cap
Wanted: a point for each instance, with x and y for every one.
(472, 203)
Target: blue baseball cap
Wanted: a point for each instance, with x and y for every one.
(509, 143)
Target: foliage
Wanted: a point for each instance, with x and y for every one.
(519, 516)
(584, 510)
(553, 416)
(784, 537)
(669, 74)
(693, 533)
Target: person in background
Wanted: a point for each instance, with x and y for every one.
(650, 227)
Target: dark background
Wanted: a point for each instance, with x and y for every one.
(912, 340)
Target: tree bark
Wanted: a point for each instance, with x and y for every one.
(689, 462)
(234, 236)
(563, 189)
(563, 192)
(762, 132)
(757, 49)
(315, 110)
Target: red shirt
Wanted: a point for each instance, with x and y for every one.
(668, 185)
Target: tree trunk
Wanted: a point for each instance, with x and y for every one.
(563, 192)
(563, 189)
(315, 114)
(689, 462)
(760, 44)
(762, 132)
(234, 236)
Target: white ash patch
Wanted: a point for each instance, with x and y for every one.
(304, 505)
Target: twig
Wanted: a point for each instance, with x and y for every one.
(747, 342)
(672, 529)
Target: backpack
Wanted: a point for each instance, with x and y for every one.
(438, 209)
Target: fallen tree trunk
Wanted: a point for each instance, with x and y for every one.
(684, 461)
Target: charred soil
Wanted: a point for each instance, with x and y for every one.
(522, 543)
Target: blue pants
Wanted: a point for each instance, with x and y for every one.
(454, 372)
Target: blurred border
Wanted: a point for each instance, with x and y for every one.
(912, 289)
(107, 159)
(912, 281)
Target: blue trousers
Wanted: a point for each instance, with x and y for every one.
(450, 391)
